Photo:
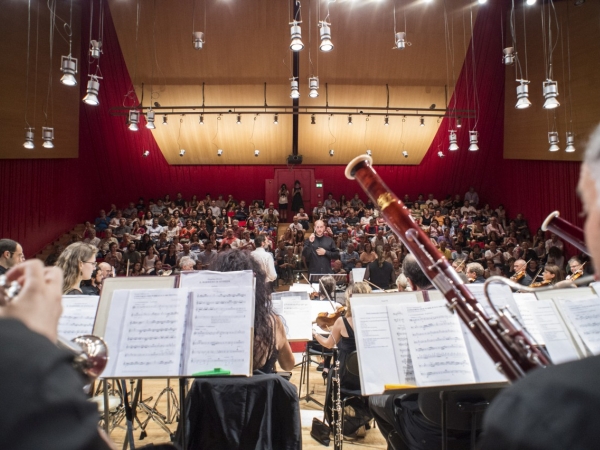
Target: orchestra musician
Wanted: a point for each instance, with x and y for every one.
(552, 274)
(558, 407)
(521, 276)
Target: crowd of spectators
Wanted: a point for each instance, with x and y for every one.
(163, 236)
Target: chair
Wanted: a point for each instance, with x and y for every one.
(261, 411)
(305, 369)
(456, 410)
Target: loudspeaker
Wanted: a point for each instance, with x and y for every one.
(294, 159)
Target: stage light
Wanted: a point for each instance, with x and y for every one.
(181, 152)
(28, 144)
(312, 120)
(134, 118)
(473, 139)
(441, 154)
(201, 121)
(422, 121)
(331, 152)
(145, 153)
(369, 152)
(276, 119)
(325, 32)
(400, 40)
(570, 142)
(509, 56)
(95, 49)
(405, 154)
(150, 120)
(93, 86)
(48, 136)
(256, 153)
(296, 45)
(313, 85)
(198, 39)
(239, 119)
(165, 120)
(68, 66)
(294, 92)
(523, 95)
(453, 145)
(531, 2)
(458, 122)
(386, 121)
(550, 89)
(219, 152)
(553, 141)
(350, 119)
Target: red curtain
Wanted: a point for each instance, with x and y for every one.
(46, 198)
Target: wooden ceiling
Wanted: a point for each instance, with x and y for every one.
(247, 45)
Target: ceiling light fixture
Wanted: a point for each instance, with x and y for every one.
(400, 40)
(453, 145)
(553, 141)
(422, 121)
(198, 39)
(531, 2)
(95, 49)
(150, 120)
(570, 142)
(312, 120)
(386, 121)
(523, 95)
(509, 56)
(145, 153)
(296, 45)
(405, 154)
(219, 152)
(276, 119)
(481, 2)
(68, 66)
(256, 153)
(93, 86)
(313, 85)
(458, 122)
(473, 138)
(134, 118)
(28, 144)
(325, 32)
(331, 152)
(48, 136)
(369, 152)
(181, 152)
(350, 119)
(239, 119)
(165, 120)
(550, 89)
(294, 92)
(201, 121)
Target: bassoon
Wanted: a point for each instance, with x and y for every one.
(509, 346)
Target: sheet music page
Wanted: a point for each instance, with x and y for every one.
(484, 367)
(358, 274)
(523, 301)
(438, 350)
(78, 315)
(585, 317)
(374, 346)
(296, 317)
(400, 343)
(114, 328)
(554, 331)
(500, 294)
(152, 335)
(222, 330)
(300, 287)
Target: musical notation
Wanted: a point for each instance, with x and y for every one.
(79, 313)
(585, 317)
(400, 341)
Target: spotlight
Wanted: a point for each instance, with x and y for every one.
(181, 152)
(198, 39)
(331, 152)
(28, 138)
(313, 85)
(458, 122)
(312, 120)
(570, 142)
(201, 122)
(405, 154)
(400, 40)
(93, 86)
(276, 119)
(350, 119)
(523, 95)
(48, 136)
(219, 152)
(68, 67)
(481, 2)
(422, 121)
(150, 120)
(453, 145)
(369, 152)
(239, 119)
(441, 154)
(256, 153)
(386, 121)
(550, 89)
(531, 2)
(294, 93)
(165, 120)
(134, 118)
(325, 32)
(553, 141)
(509, 56)
(296, 45)
(95, 49)
(473, 139)
(145, 153)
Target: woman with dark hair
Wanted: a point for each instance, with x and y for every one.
(170, 257)
(552, 275)
(210, 221)
(297, 201)
(283, 195)
(380, 272)
(270, 342)
(368, 255)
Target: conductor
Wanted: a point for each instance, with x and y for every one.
(319, 250)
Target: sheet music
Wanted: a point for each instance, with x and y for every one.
(78, 315)
(222, 323)
(400, 343)
(358, 274)
(152, 335)
(438, 351)
(500, 294)
(301, 287)
(484, 367)
(295, 313)
(554, 332)
(375, 352)
(585, 317)
(523, 301)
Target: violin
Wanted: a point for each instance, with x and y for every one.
(577, 274)
(540, 284)
(519, 275)
(326, 320)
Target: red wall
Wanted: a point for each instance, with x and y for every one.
(45, 198)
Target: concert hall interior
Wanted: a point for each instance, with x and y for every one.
(201, 111)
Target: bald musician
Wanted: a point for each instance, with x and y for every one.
(559, 407)
(319, 250)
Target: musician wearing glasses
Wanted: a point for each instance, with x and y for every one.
(11, 253)
(77, 262)
(558, 407)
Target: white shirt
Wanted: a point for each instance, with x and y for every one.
(266, 261)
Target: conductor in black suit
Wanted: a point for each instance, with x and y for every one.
(319, 250)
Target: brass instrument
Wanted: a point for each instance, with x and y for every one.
(565, 230)
(90, 352)
(509, 346)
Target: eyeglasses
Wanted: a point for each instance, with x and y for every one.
(93, 263)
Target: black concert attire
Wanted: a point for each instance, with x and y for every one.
(320, 264)
(478, 280)
(89, 289)
(525, 281)
(44, 403)
(3, 270)
(551, 409)
(381, 276)
(297, 201)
